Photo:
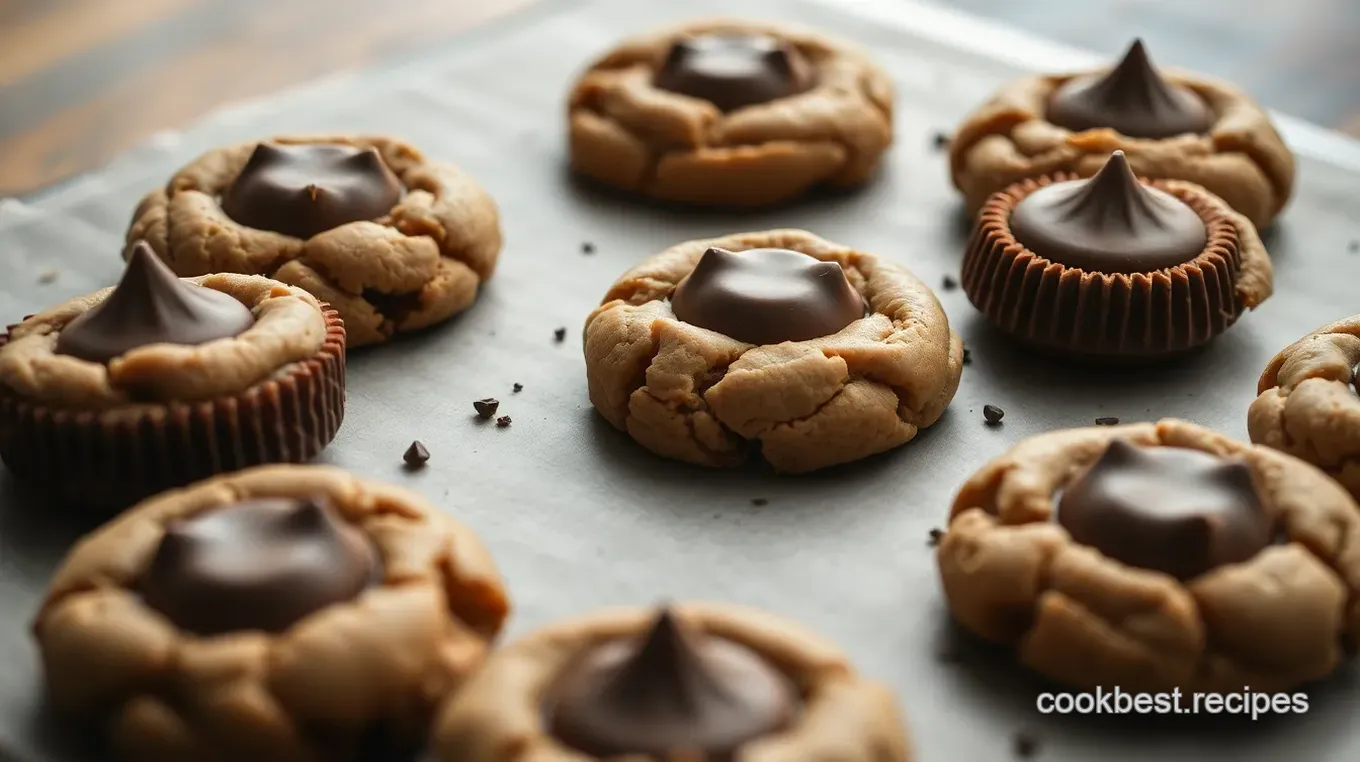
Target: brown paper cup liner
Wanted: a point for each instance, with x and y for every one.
(107, 460)
(1106, 316)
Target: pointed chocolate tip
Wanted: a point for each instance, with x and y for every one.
(143, 266)
(308, 513)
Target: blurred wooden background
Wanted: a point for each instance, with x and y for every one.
(81, 80)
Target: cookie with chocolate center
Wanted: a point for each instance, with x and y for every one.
(691, 681)
(394, 241)
(1153, 557)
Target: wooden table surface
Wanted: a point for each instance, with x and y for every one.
(82, 80)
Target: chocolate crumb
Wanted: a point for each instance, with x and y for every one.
(1355, 246)
(1110, 421)
(47, 276)
(950, 284)
(759, 501)
(993, 414)
(941, 140)
(487, 407)
(1024, 744)
(503, 421)
(560, 334)
(967, 356)
(587, 248)
(416, 455)
(935, 536)
(519, 388)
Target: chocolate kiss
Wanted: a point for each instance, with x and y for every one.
(672, 691)
(152, 306)
(732, 71)
(1174, 510)
(767, 296)
(260, 564)
(304, 189)
(1111, 223)
(1133, 99)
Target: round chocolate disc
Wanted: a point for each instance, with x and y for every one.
(767, 296)
(259, 564)
(152, 306)
(1170, 509)
(670, 692)
(733, 70)
(301, 190)
(1132, 99)
(1111, 223)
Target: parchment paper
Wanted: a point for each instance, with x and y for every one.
(576, 514)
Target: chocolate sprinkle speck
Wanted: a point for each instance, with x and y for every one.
(1355, 246)
(993, 414)
(587, 248)
(950, 284)
(1107, 421)
(1025, 745)
(941, 140)
(519, 388)
(935, 536)
(47, 276)
(759, 501)
(487, 407)
(503, 421)
(416, 455)
(560, 334)
(967, 356)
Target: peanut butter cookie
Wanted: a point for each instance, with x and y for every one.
(161, 381)
(275, 614)
(730, 113)
(1308, 406)
(1175, 127)
(819, 353)
(394, 241)
(1157, 556)
(708, 680)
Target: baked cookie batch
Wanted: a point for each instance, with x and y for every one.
(252, 606)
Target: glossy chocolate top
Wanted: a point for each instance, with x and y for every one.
(302, 190)
(260, 564)
(152, 306)
(1171, 509)
(767, 296)
(1111, 223)
(672, 690)
(1132, 99)
(733, 70)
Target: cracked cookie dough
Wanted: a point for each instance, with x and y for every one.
(278, 614)
(1157, 556)
(161, 381)
(1308, 406)
(1178, 127)
(394, 241)
(709, 680)
(730, 113)
(838, 354)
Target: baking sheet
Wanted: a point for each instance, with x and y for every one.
(577, 515)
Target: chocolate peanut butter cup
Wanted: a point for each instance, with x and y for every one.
(161, 381)
(1113, 267)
